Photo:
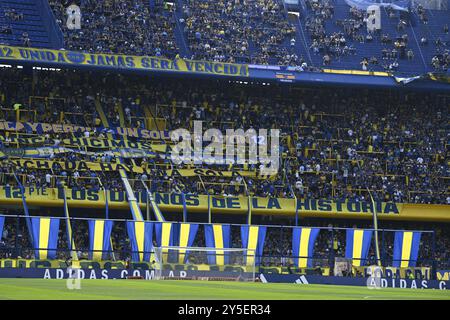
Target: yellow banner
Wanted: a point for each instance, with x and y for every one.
(43, 164)
(199, 203)
(88, 142)
(213, 173)
(74, 165)
(124, 62)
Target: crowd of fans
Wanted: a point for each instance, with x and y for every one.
(333, 43)
(333, 145)
(126, 27)
(340, 145)
(227, 30)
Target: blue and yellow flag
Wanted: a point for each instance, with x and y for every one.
(185, 235)
(406, 248)
(164, 234)
(158, 214)
(218, 236)
(357, 246)
(99, 239)
(303, 240)
(253, 238)
(141, 239)
(2, 223)
(45, 237)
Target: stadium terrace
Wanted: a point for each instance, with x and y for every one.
(113, 162)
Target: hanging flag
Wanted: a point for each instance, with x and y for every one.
(99, 239)
(303, 240)
(2, 223)
(253, 238)
(185, 234)
(45, 237)
(141, 239)
(164, 238)
(406, 248)
(357, 246)
(218, 236)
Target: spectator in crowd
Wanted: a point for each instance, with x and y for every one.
(321, 161)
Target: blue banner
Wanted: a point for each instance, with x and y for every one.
(141, 240)
(357, 246)
(45, 237)
(2, 223)
(406, 249)
(218, 236)
(253, 238)
(184, 234)
(65, 58)
(99, 239)
(303, 240)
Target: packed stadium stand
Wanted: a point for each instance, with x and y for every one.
(322, 34)
(98, 140)
(333, 145)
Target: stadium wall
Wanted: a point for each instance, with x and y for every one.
(361, 282)
(105, 274)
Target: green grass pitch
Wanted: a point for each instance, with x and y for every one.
(42, 289)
